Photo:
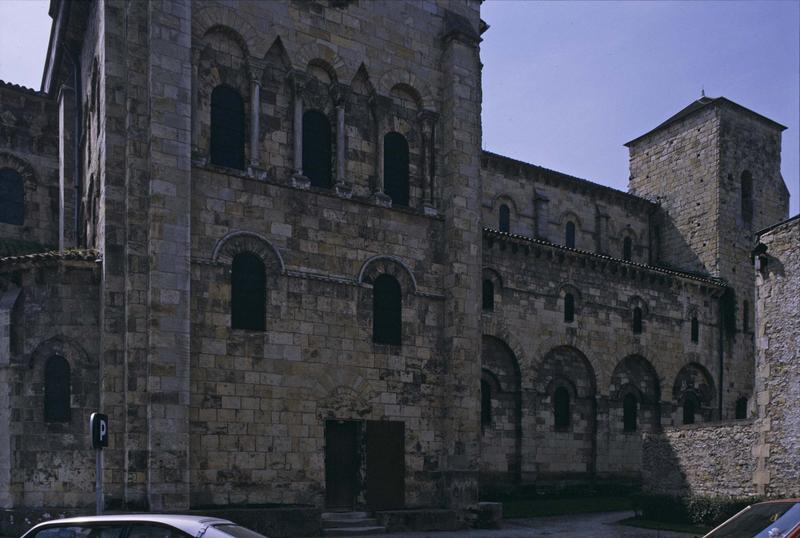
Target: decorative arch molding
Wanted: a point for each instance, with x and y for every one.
(64, 346)
(242, 241)
(409, 83)
(323, 56)
(493, 275)
(567, 287)
(570, 216)
(635, 372)
(21, 166)
(559, 353)
(391, 265)
(628, 231)
(504, 198)
(343, 394)
(211, 18)
(492, 328)
(635, 301)
(694, 378)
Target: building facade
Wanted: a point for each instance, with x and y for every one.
(264, 239)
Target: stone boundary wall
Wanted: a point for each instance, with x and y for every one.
(712, 459)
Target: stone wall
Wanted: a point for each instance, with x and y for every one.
(778, 362)
(713, 460)
(29, 146)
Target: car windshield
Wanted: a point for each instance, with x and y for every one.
(237, 531)
(94, 531)
(759, 521)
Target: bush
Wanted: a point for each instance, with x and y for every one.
(709, 511)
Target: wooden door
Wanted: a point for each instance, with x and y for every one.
(386, 467)
(341, 464)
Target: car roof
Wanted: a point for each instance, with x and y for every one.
(188, 524)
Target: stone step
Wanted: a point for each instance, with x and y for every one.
(349, 522)
(353, 531)
(345, 515)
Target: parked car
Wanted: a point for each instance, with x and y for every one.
(140, 526)
(770, 519)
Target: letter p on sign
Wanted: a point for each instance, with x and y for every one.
(98, 423)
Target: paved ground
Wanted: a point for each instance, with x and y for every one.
(601, 525)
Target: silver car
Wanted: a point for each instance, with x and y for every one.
(140, 526)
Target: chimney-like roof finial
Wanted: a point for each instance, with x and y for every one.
(702, 91)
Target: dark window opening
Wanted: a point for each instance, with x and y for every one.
(488, 295)
(689, 409)
(227, 127)
(627, 249)
(637, 320)
(695, 329)
(317, 148)
(505, 219)
(741, 408)
(486, 403)
(12, 197)
(629, 412)
(747, 196)
(57, 390)
(387, 305)
(248, 292)
(561, 408)
(570, 235)
(569, 308)
(395, 168)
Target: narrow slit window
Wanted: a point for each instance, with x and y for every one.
(387, 306)
(317, 148)
(570, 235)
(747, 196)
(627, 249)
(488, 295)
(629, 413)
(561, 409)
(227, 127)
(695, 329)
(741, 408)
(637, 320)
(12, 197)
(505, 219)
(395, 168)
(689, 409)
(57, 390)
(569, 308)
(248, 292)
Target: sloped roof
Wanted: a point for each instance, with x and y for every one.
(700, 104)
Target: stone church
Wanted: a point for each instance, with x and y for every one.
(264, 239)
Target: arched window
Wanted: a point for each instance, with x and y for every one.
(486, 403)
(745, 316)
(741, 408)
(488, 294)
(627, 249)
(227, 127)
(12, 197)
(505, 219)
(248, 292)
(561, 408)
(569, 308)
(317, 148)
(570, 235)
(395, 168)
(695, 329)
(637, 320)
(629, 412)
(747, 196)
(689, 408)
(387, 306)
(57, 390)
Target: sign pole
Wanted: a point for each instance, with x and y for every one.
(99, 481)
(98, 426)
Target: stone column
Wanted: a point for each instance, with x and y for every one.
(7, 300)
(66, 168)
(462, 251)
(380, 110)
(541, 203)
(339, 96)
(255, 120)
(298, 80)
(601, 233)
(427, 122)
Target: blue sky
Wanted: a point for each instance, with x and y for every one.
(567, 83)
